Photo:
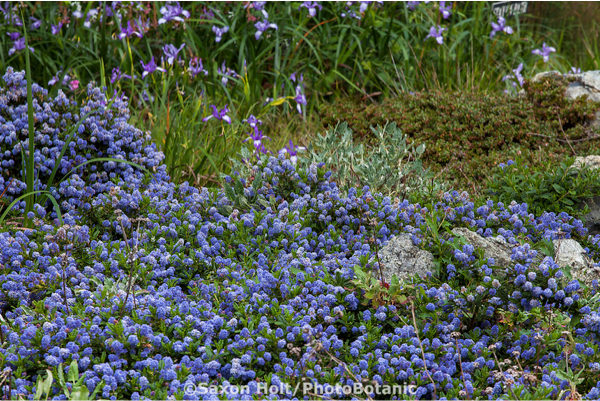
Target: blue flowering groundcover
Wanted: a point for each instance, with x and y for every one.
(153, 290)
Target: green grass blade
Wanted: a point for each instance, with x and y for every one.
(52, 199)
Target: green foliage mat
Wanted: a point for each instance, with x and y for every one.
(466, 134)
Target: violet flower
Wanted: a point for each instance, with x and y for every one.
(544, 52)
(92, 13)
(263, 26)
(436, 34)
(258, 5)
(219, 32)
(18, 45)
(219, 114)
(445, 11)
(55, 29)
(35, 24)
(311, 6)
(252, 121)
(150, 67)
(292, 151)
(575, 70)
(300, 99)
(256, 138)
(500, 27)
(117, 75)
(129, 31)
(363, 6)
(517, 75)
(225, 72)
(412, 4)
(196, 67)
(171, 52)
(172, 12)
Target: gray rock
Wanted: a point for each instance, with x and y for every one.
(587, 83)
(569, 252)
(402, 258)
(494, 247)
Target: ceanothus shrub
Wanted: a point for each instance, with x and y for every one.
(104, 133)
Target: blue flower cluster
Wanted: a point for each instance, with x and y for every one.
(104, 132)
(152, 287)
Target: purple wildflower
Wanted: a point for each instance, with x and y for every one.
(575, 70)
(258, 5)
(445, 11)
(196, 67)
(363, 6)
(257, 138)
(150, 67)
(18, 45)
(436, 34)
(252, 121)
(117, 75)
(55, 29)
(263, 26)
(517, 75)
(219, 114)
(171, 52)
(14, 35)
(225, 72)
(129, 31)
(500, 27)
(311, 6)
(35, 24)
(299, 98)
(412, 4)
(172, 12)
(292, 151)
(219, 32)
(544, 52)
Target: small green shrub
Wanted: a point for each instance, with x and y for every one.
(551, 188)
(467, 133)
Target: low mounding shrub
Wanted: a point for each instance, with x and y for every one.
(162, 290)
(103, 133)
(545, 188)
(467, 133)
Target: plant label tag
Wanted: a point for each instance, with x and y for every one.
(507, 9)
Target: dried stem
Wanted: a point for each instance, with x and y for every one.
(412, 309)
(462, 372)
(64, 262)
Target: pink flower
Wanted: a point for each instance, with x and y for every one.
(74, 84)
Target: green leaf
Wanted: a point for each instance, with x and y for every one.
(73, 374)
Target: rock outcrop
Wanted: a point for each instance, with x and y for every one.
(402, 258)
(586, 83)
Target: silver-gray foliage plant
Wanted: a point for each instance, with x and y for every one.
(391, 167)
